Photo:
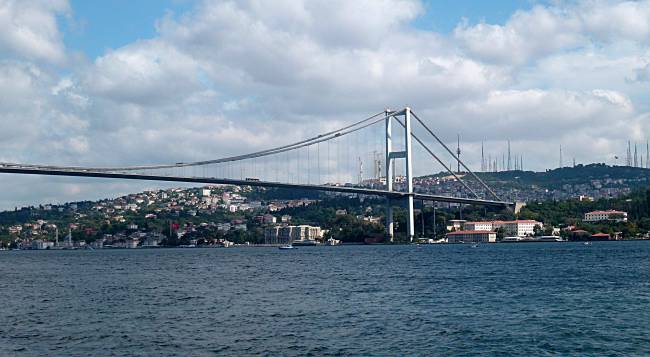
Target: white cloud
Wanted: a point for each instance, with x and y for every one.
(526, 35)
(614, 21)
(231, 77)
(146, 72)
(28, 29)
(544, 30)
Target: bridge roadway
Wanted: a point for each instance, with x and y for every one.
(35, 170)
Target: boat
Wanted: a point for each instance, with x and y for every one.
(474, 245)
(287, 247)
(587, 243)
(304, 242)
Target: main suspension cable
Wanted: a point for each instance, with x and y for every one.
(457, 158)
(439, 161)
(297, 145)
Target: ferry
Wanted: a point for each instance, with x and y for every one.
(305, 242)
(287, 247)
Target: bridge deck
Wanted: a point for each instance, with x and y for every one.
(206, 180)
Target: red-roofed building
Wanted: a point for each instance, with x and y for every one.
(600, 236)
(609, 215)
(472, 237)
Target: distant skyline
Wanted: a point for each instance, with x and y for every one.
(129, 82)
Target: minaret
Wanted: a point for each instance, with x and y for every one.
(647, 154)
(521, 163)
(68, 238)
(458, 152)
(636, 163)
(360, 170)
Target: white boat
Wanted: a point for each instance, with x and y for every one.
(287, 247)
(587, 243)
(474, 245)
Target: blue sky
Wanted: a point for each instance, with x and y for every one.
(443, 16)
(101, 25)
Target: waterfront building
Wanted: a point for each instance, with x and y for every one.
(97, 244)
(455, 225)
(152, 239)
(609, 215)
(518, 228)
(131, 243)
(472, 237)
(601, 236)
(288, 234)
(41, 244)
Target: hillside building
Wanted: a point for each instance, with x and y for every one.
(609, 215)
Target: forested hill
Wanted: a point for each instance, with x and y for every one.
(580, 174)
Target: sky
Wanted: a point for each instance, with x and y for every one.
(124, 82)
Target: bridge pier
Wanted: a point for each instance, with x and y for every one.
(391, 155)
(389, 176)
(410, 224)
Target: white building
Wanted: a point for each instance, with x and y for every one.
(41, 244)
(455, 224)
(471, 237)
(518, 228)
(288, 234)
(609, 215)
(478, 226)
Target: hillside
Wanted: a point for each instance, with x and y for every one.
(591, 181)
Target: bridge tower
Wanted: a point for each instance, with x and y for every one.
(391, 155)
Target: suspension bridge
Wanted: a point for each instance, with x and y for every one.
(332, 161)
